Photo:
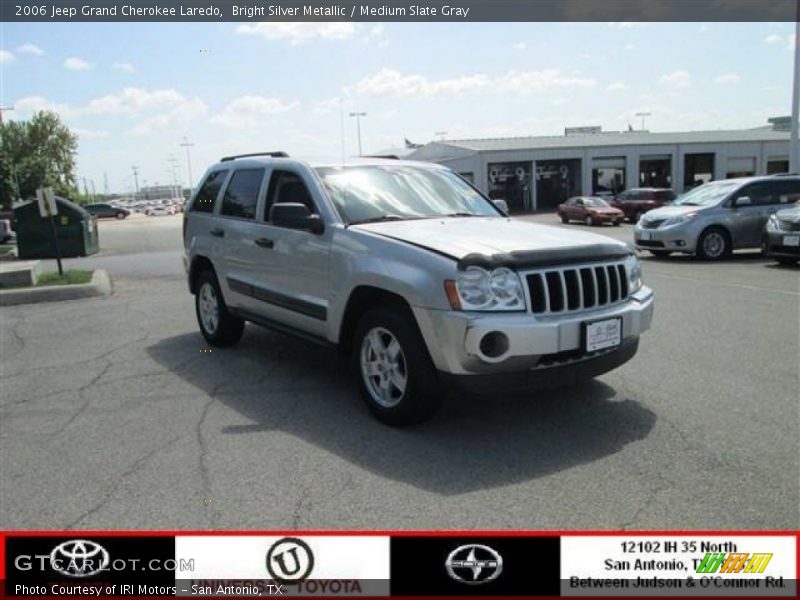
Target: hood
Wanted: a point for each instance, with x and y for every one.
(667, 212)
(790, 215)
(509, 241)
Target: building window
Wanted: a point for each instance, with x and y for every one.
(697, 169)
(511, 182)
(777, 166)
(655, 171)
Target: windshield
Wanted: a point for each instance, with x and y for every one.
(387, 192)
(707, 195)
(599, 202)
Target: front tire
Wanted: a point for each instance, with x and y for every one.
(713, 244)
(564, 219)
(589, 220)
(786, 261)
(120, 215)
(218, 326)
(396, 376)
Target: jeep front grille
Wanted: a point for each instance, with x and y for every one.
(573, 289)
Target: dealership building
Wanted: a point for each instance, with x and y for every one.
(540, 172)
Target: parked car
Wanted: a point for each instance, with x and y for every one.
(782, 236)
(159, 210)
(590, 210)
(637, 201)
(716, 218)
(106, 211)
(425, 291)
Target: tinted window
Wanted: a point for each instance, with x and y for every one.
(241, 195)
(787, 192)
(207, 195)
(759, 193)
(285, 186)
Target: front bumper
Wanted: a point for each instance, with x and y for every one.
(781, 244)
(534, 342)
(681, 238)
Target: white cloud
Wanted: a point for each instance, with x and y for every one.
(90, 134)
(125, 67)
(32, 104)
(391, 82)
(773, 39)
(6, 57)
(77, 64)
(178, 118)
(676, 79)
(328, 106)
(520, 46)
(134, 100)
(727, 79)
(617, 86)
(298, 33)
(790, 41)
(626, 24)
(251, 111)
(629, 47)
(30, 49)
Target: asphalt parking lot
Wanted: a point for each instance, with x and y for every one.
(115, 414)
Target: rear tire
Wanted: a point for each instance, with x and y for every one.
(564, 219)
(120, 215)
(218, 326)
(589, 220)
(617, 223)
(783, 260)
(396, 376)
(713, 244)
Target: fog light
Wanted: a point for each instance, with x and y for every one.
(494, 344)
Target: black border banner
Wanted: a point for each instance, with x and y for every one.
(397, 11)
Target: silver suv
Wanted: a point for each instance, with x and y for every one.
(716, 218)
(423, 280)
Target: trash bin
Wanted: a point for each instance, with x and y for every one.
(77, 231)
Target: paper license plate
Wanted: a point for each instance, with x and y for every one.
(791, 240)
(645, 235)
(601, 335)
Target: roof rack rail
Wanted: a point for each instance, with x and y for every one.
(277, 154)
(783, 175)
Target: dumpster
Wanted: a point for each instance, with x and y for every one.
(77, 231)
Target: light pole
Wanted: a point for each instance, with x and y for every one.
(187, 144)
(136, 180)
(643, 115)
(358, 116)
(794, 142)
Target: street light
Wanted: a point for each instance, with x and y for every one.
(358, 116)
(643, 115)
(187, 144)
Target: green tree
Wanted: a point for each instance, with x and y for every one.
(35, 153)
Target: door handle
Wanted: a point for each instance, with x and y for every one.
(265, 243)
(217, 232)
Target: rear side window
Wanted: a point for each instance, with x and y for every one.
(241, 196)
(787, 192)
(204, 201)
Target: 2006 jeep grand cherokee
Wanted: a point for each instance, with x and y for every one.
(426, 282)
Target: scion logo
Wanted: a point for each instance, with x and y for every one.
(474, 564)
(79, 558)
(290, 560)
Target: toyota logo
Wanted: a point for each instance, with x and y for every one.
(474, 564)
(290, 560)
(79, 558)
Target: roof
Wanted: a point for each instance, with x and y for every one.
(624, 138)
(259, 161)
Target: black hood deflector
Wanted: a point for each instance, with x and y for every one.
(529, 259)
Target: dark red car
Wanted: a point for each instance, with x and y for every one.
(637, 201)
(590, 210)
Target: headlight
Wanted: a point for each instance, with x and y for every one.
(634, 271)
(672, 221)
(478, 289)
(773, 224)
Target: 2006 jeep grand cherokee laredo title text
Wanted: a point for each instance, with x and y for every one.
(426, 282)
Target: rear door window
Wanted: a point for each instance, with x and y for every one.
(241, 195)
(207, 195)
(787, 192)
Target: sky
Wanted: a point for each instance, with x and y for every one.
(134, 91)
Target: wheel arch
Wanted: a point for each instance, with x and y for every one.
(199, 264)
(363, 298)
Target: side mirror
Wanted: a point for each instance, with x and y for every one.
(501, 204)
(294, 215)
(742, 201)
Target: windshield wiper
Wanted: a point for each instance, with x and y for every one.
(460, 214)
(378, 219)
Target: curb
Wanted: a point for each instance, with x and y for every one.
(100, 285)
